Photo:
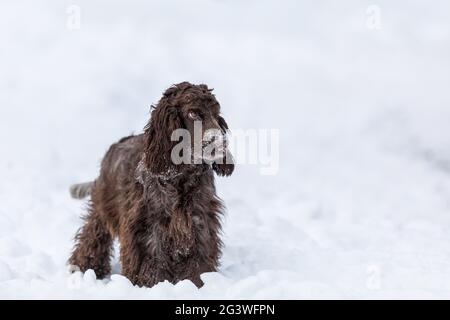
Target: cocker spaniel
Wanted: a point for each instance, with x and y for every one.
(165, 213)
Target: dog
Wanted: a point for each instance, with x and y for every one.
(166, 215)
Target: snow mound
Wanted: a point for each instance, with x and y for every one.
(360, 207)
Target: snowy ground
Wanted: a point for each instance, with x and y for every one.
(360, 207)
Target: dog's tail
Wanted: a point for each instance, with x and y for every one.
(81, 190)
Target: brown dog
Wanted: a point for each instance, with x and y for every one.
(166, 215)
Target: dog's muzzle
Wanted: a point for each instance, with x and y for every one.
(214, 147)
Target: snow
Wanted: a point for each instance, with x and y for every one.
(360, 206)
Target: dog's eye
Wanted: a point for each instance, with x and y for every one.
(193, 116)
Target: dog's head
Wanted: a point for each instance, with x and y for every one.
(195, 109)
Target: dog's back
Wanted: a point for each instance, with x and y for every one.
(118, 156)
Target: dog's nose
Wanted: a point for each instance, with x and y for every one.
(209, 136)
(207, 142)
(214, 138)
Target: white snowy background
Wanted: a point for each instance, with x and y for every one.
(360, 207)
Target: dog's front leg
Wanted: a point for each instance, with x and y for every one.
(151, 273)
(137, 264)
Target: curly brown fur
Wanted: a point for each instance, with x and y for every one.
(166, 216)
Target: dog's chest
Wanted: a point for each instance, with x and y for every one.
(178, 219)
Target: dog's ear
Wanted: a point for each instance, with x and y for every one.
(225, 167)
(164, 120)
(223, 125)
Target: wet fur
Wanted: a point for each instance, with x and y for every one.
(166, 217)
